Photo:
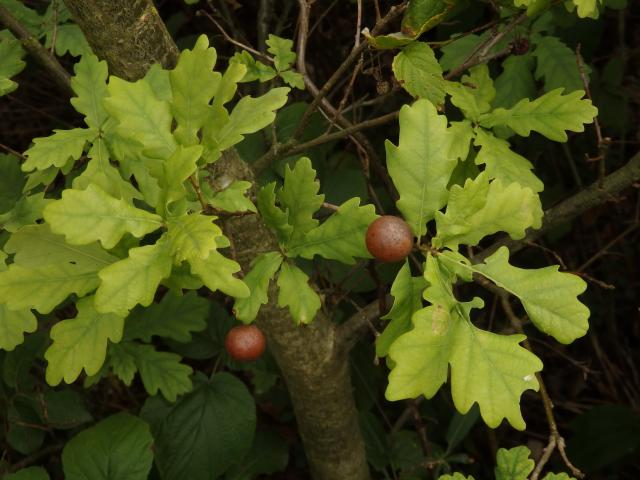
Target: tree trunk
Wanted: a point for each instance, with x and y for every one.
(130, 35)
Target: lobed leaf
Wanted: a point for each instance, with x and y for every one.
(90, 86)
(57, 149)
(550, 115)
(296, 293)
(192, 237)
(264, 268)
(13, 325)
(421, 165)
(513, 464)
(474, 93)
(216, 271)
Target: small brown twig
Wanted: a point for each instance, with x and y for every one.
(556, 441)
(35, 48)
(196, 188)
(603, 143)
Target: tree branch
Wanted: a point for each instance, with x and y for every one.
(31, 44)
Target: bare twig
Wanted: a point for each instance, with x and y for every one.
(348, 333)
(35, 48)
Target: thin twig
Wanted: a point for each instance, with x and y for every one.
(35, 48)
(196, 187)
(231, 39)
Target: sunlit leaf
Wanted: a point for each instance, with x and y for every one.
(262, 271)
(296, 293)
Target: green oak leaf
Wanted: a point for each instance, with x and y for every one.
(458, 49)
(550, 115)
(69, 39)
(461, 135)
(90, 86)
(420, 166)
(513, 464)
(481, 208)
(455, 476)
(57, 149)
(296, 293)
(299, 197)
(121, 361)
(293, 79)
(558, 476)
(216, 271)
(233, 198)
(256, 70)
(548, 296)
(556, 64)
(84, 216)
(11, 62)
(175, 317)
(341, 236)
(161, 371)
(192, 237)
(13, 325)
(407, 299)
(248, 116)
(193, 83)
(81, 342)
(262, 271)
(419, 73)
(272, 215)
(474, 94)
(133, 280)
(119, 447)
(141, 116)
(282, 50)
(101, 173)
(503, 163)
(515, 82)
(588, 8)
(181, 165)
(26, 211)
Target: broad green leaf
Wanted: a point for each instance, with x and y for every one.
(299, 196)
(84, 216)
(90, 86)
(482, 208)
(192, 237)
(101, 173)
(296, 293)
(207, 431)
(57, 149)
(455, 476)
(513, 464)
(492, 370)
(193, 84)
(550, 115)
(175, 317)
(273, 216)
(503, 163)
(216, 271)
(37, 246)
(248, 116)
(556, 64)
(293, 79)
(341, 236)
(422, 15)
(11, 62)
(133, 280)
(458, 50)
(256, 70)
(282, 50)
(474, 94)
(461, 135)
(122, 361)
(233, 198)
(407, 299)
(69, 39)
(81, 342)
(141, 116)
(161, 371)
(13, 325)
(181, 165)
(421, 165)
(515, 82)
(264, 268)
(117, 448)
(28, 17)
(53, 283)
(25, 212)
(12, 180)
(419, 73)
(588, 8)
(548, 296)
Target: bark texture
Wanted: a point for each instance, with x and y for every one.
(128, 34)
(131, 37)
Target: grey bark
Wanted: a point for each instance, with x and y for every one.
(131, 37)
